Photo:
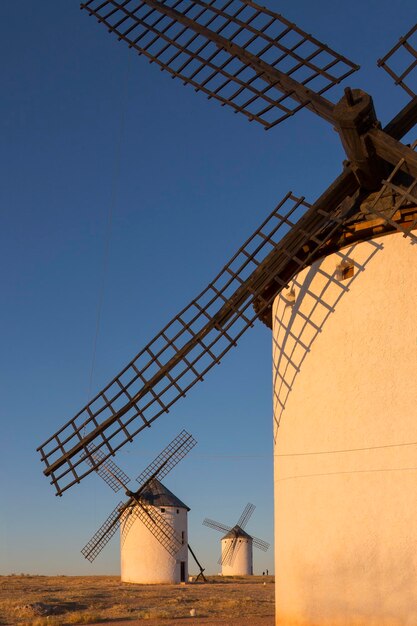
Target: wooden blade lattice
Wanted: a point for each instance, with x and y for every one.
(106, 469)
(234, 51)
(106, 531)
(195, 340)
(247, 512)
(147, 514)
(168, 458)
(216, 525)
(401, 61)
(260, 543)
(228, 554)
(155, 522)
(401, 213)
(128, 520)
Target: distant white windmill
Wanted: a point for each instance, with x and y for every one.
(237, 546)
(153, 521)
(144, 559)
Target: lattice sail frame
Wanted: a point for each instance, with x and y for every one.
(133, 510)
(398, 216)
(401, 61)
(103, 535)
(260, 543)
(106, 469)
(222, 528)
(168, 458)
(192, 343)
(212, 46)
(231, 550)
(246, 515)
(159, 527)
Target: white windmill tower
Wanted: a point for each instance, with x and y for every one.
(237, 545)
(143, 557)
(153, 522)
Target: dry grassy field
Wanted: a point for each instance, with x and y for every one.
(61, 600)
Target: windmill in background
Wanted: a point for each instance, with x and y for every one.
(153, 521)
(237, 546)
(262, 66)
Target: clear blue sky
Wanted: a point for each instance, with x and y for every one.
(194, 182)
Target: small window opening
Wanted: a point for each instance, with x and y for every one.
(182, 537)
(178, 511)
(345, 270)
(162, 510)
(289, 297)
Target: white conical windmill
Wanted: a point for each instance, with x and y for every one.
(144, 559)
(153, 522)
(344, 457)
(237, 545)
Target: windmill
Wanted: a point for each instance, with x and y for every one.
(153, 521)
(236, 557)
(262, 66)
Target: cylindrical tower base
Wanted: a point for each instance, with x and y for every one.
(144, 560)
(242, 563)
(345, 372)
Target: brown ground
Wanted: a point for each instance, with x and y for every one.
(94, 600)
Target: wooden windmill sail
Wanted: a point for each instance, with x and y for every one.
(236, 557)
(257, 63)
(146, 505)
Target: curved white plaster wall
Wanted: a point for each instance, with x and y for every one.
(144, 560)
(345, 372)
(242, 564)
